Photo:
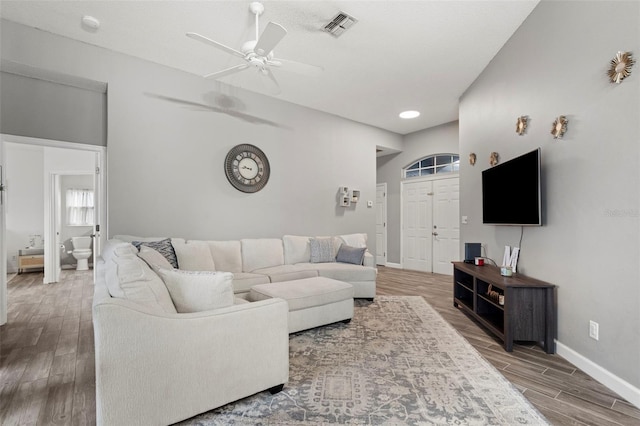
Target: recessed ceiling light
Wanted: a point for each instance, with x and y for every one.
(409, 114)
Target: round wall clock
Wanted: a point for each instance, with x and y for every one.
(247, 168)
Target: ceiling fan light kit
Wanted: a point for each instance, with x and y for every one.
(258, 53)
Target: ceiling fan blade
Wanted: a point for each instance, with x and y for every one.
(269, 82)
(213, 43)
(228, 111)
(296, 67)
(227, 71)
(270, 37)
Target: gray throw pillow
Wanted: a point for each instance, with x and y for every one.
(348, 254)
(322, 250)
(163, 247)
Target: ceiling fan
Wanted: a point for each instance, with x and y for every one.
(258, 53)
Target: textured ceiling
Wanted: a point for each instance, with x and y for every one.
(399, 55)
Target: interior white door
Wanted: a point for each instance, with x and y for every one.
(446, 224)
(417, 202)
(381, 224)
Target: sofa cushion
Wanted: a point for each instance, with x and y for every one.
(128, 277)
(322, 250)
(348, 254)
(303, 294)
(132, 238)
(194, 256)
(286, 273)
(341, 271)
(261, 253)
(196, 291)
(154, 259)
(354, 240)
(243, 281)
(227, 255)
(296, 249)
(163, 247)
(113, 248)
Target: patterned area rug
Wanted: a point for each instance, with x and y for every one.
(397, 363)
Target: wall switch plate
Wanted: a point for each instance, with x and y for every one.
(369, 203)
(465, 220)
(594, 330)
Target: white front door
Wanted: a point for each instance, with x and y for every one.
(381, 224)
(446, 225)
(417, 206)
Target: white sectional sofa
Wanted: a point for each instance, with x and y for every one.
(265, 260)
(155, 366)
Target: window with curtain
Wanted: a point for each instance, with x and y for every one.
(79, 207)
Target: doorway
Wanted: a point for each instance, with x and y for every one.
(53, 159)
(381, 224)
(430, 227)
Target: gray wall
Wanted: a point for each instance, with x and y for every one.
(555, 64)
(165, 161)
(50, 106)
(439, 139)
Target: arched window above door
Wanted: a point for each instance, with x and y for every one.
(433, 164)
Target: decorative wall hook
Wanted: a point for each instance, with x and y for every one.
(521, 125)
(559, 127)
(472, 159)
(620, 67)
(494, 158)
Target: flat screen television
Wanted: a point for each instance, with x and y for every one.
(511, 192)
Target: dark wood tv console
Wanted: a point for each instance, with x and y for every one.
(528, 312)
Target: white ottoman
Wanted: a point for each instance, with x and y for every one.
(312, 301)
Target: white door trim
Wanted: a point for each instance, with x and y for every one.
(101, 151)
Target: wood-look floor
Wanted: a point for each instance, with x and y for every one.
(47, 371)
(560, 391)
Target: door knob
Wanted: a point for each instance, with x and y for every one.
(434, 233)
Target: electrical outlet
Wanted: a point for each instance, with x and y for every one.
(14, 257)
(593, 330)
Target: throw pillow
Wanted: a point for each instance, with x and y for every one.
(322, 250)
(348, 254)
(154, 259)
(194, 256)
(193, 291)
(163, 247)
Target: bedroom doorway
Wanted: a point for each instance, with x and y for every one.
(52, 158)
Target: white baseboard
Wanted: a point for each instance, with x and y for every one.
(610, 380)
(393, 265)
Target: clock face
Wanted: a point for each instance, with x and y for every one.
(247, 168)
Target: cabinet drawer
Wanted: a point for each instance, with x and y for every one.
(31, 261)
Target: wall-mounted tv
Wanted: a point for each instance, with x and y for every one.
(511, 192)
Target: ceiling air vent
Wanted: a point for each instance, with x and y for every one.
(341, 23)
